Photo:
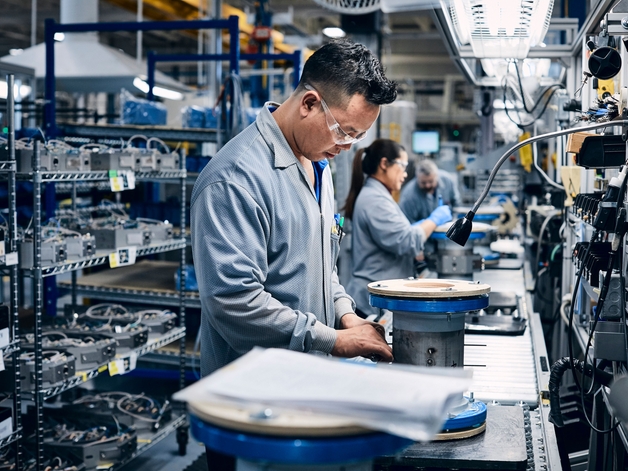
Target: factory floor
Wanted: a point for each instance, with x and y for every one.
(164, 456)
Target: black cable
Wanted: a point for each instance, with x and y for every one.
(572, 308)
(556, 374)
(523, 99)
(523, 125)
(598, 312)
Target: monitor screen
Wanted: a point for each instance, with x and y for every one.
(425, 142)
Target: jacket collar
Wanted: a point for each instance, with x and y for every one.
(274, 137)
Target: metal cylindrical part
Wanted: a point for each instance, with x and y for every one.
(428, 339)
(453, 261)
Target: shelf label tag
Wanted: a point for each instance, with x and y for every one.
(102, 368)
(116, 367)
(122, 257)
(132, 361)
(6, 428)
(4, 337)
(10, 259)
(122, 180)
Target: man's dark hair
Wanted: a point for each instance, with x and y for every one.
(342, 68)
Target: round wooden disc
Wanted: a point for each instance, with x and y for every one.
(472, 432)
(428, 288)
(280, 424)
(476, 227)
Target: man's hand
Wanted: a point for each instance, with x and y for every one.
(353, 320)
(361, 338)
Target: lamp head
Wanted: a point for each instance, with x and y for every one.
(460, 230)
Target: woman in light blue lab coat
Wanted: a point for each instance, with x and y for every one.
(384, 243)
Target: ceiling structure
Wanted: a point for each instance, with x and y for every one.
(411, 47)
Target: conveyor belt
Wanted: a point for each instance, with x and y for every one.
(503, 368)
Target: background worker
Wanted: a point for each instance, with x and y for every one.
(429, 189)
(384, 242)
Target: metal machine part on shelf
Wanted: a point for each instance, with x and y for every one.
(89, 349)
(142, 412)
(161, 230)
(57, 366)
(52, 251)
(112, 320)
(80, 246)
(454, 261)
(95, 447)
(159, 321)
(113, 159)
(428, 330)
(53, 159)
(116, 233)
(134, 159)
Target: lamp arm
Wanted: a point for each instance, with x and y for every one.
(540, 137)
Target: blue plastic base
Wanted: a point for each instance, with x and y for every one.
(443, 235)
(438, 305)
(301, 451)
(473, 417)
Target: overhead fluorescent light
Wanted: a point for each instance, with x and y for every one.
(59, 36)
(500, 28)
(19, 91)
(157, 91)
(334, 32)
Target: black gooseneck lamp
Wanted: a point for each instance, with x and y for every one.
(460, 231)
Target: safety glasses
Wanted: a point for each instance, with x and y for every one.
(341, 138)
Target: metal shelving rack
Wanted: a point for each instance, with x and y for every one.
(7, 169)
(39, 272)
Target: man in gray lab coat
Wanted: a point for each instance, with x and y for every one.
(264, 234)
(427, 190)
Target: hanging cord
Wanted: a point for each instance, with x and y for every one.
(556, 374)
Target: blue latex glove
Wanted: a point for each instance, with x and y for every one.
(440, 215)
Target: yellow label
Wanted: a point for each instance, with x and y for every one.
(102, 368)
(113, 260)
(113, 368)
(525, 153)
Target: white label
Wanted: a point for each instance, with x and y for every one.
(1, 247)
(1, 362)
(122, 257)
(132, 361)
(125, 180)
(129, 180)
(6, 428)
(11, 259)
(4, 337)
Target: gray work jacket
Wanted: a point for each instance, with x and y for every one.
(264, 251)
(384, 243)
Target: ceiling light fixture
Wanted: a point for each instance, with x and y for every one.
(500, 28)
(334, 32)
(157, 91)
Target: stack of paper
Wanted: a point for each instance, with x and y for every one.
(408, 401)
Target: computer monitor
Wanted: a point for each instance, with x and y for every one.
(425, 142)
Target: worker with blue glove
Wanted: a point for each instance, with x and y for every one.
(384, 242)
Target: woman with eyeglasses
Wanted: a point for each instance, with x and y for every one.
(384, 243)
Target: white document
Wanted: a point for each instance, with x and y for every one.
(403, 400)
